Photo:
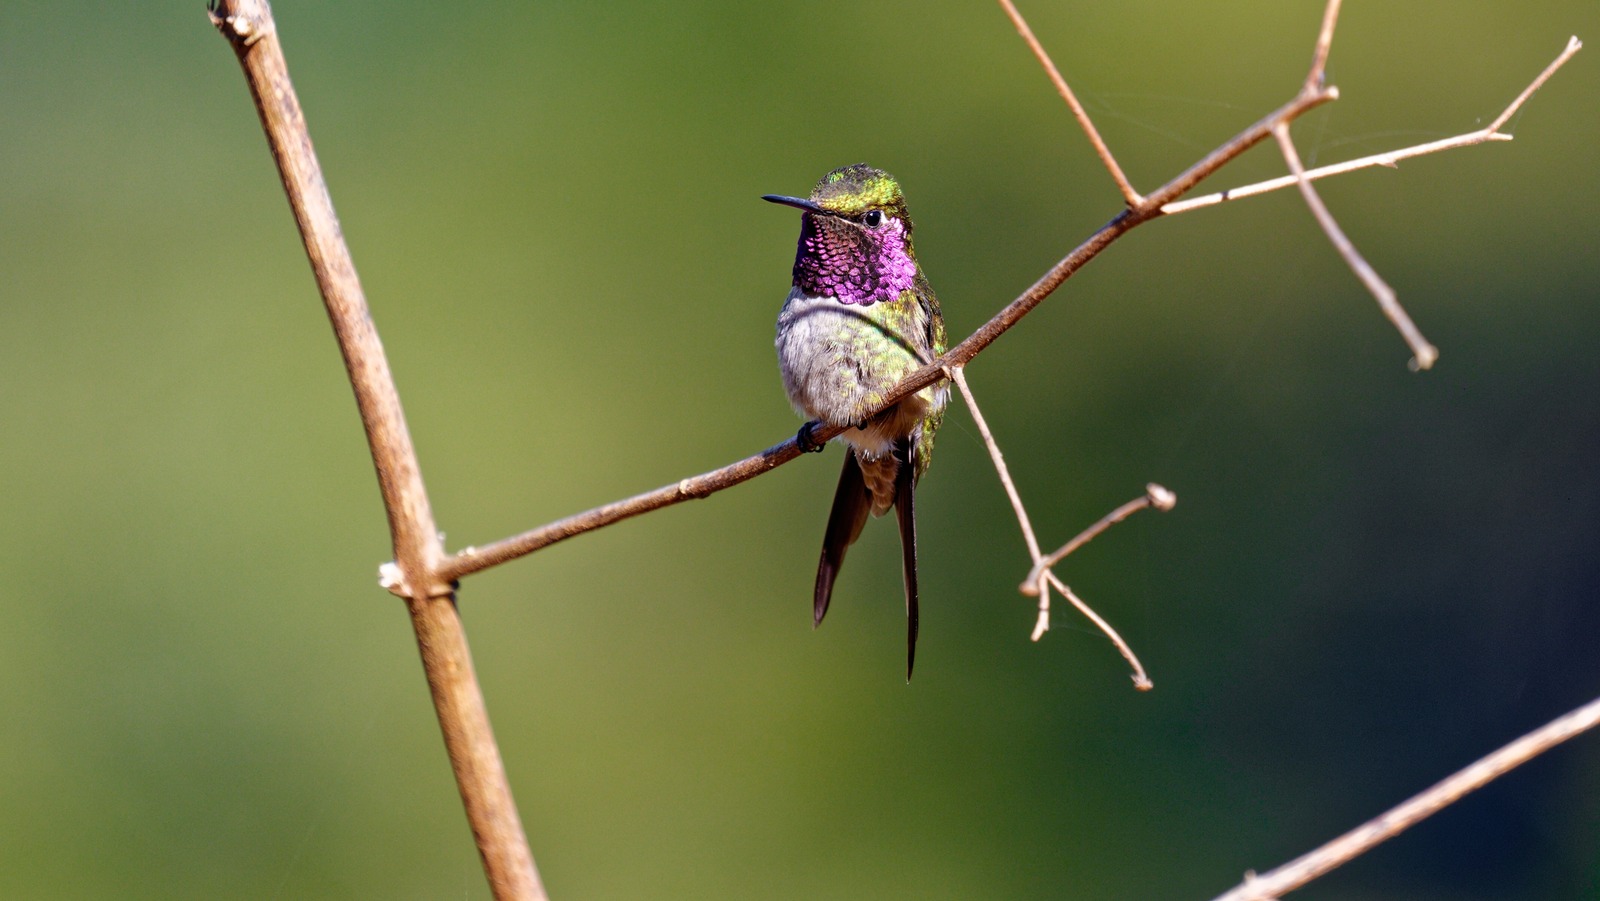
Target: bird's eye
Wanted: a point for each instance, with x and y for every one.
(873, 218)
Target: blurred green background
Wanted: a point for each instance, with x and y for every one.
(1372, 577)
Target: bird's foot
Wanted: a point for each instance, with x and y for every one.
(808, 444)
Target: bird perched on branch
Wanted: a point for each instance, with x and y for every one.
(860, 318)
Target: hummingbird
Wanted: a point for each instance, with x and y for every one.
(859, 318)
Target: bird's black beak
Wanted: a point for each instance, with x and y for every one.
(796, 202)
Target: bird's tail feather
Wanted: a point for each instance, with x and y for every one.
(905, 510)
(851, 502)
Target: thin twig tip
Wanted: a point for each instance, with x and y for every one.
(1426, 356)
(1160, 498)
(1142, 682)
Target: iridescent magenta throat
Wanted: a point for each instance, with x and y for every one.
(873, 268)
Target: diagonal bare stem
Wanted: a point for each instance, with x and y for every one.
(1296, 873)
(1319, 57)
(958, 375)
(1129, 194)
(1573, 46)
(1423, 353)
(476, 559)
(1154, 496)
(480, 775)
(1141, 681)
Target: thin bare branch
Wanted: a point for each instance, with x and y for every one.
(486, 795)
(477, 559)
(1129, 194)
(1041, 623)
(1154, 496)
(958, 375)
(1390, 159)
(1140, 680)
(1573, 46)
(1258, 131)
(249, 27)
(1303, 869)
(1042, 576)
(1319, 58)
(1423, 353)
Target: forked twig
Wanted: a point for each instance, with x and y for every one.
(1388, 159)
(1154, 496)
(1424, 354)
(1303, 869)
(1041, 577)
